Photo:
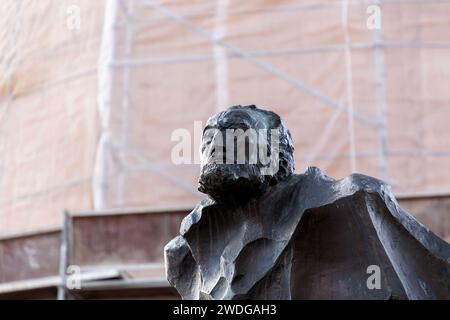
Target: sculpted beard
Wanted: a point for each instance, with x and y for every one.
(239, 181)
(236, 182)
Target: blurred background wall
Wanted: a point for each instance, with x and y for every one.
(91, 92)
(49, 126)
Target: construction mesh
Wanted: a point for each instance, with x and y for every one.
(86, 115)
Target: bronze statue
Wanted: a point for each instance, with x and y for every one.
(265, 232)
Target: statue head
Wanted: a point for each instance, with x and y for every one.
(244, 150)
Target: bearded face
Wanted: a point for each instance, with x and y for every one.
(240, 154)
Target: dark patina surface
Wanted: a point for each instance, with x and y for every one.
(306, 236)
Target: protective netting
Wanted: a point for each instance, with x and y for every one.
(355, 99)
(374, 101)
(48, 114)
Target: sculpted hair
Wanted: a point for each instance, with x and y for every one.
(286, 146)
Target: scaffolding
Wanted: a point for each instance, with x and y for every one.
(215, 35)
(115, 87)
(87, 111)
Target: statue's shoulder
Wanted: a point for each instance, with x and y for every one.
(196, 214)
(313, 176)
(315, 173)
(353, 182)
(367, 183)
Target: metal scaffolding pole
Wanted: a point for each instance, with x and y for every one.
(380, 89)
(261, 64)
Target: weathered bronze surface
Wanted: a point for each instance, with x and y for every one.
(307, 236)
